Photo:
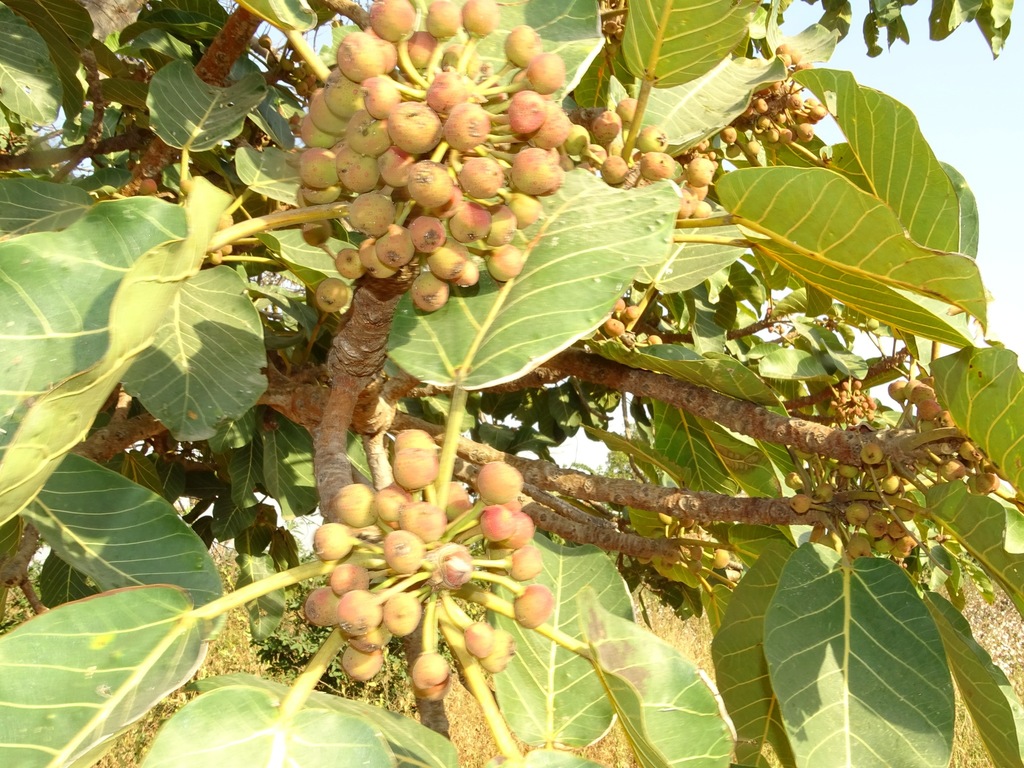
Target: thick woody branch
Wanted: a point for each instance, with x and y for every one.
(14, 568)
(351, 10)
(106, 442)
(134, 138)
(740, 416)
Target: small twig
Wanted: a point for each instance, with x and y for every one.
(99, 107)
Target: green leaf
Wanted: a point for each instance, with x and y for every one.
(979, 524)
(309, 263)
(59, 583)
(690, 264)
(121, 90)
(120, 534)
(266, 611)
(851, 246)
(284, 14)
(57, 288)
(698, 109)
(857, 664)
(792, 364)
(969, 227)
(581, 256)
(413, 745)
(34, 205)
(675, 41)
(184, 19)
(718, 372)
(268, 173)
(741, 669)
(982, 388)
(669, 714)
(288, 466)
(245, 468)
(897, 161)
(229, 519)
(570, 28)
(101, 662)
(234, 434)
(66, 28)
(245, 726)
(190, 114)
(204, 366)
(550, 695)
(57, 420)
(987, 694)
(28, 85)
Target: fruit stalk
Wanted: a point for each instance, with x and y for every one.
(306, 682)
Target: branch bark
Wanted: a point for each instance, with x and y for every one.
(351, 10)
(133, 138)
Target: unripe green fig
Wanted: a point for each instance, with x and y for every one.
(470, 223)
(429, 293)
(527, 209)
(503, 226)
(392, 20)
(372, 214)
(522, 44)
(857, 513)
(480, 17)
(368, 257)
(614, 327)
(700, 171)
(353, 506)
(367, 135)
(470, 274)
(394, 166)
(429, 184)
(546, 73)
(702, 210)
(655, 166)
(389, 500)
(479, 638)
(984, 483)
(317, 168)
(414, 127)
(360, 57)
(372, 641)
(534, 606)
(402, 614)
(315, 233)
(614, 170)
(499, 483)
(458, 500)
(428, 233)
(361, 666)
(348, 576)
(504, 650)
(444, 19)
(404, 551)
(359, 612)
(323, 118)
(527, 112)
(536, 172)
(871, 453)
(332, 541)
(424, 519)
(449, 261)
(526, 563)
(890, 485)
(357, 173)
(859, 545)
(332, 295)
(314, 137)
(342, 96)
(720, 559)
(626, 110)
(577, 140)
(505, 262)
(321, 607)
(876, 525)
(800, 503)
(728, 135)
(481, 177)
(651, 139)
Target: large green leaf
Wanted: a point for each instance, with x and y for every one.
(897, 161)
(690, 264)
(857, 664)
(59, 583)
(987, 694)
(694, 111)
(283, 14)
(189, 114)
(570, 28)
(969, 225)
(56, 288)
(309, 263)
(100, 663)
(413, 745)
(288, 466)
(61, 417)
(851, 246)
(66, 28)
(28, 85)
(550, 695)
(983, 390)
(741, 669)
(581, 256)
(712, 458)
(718, 372)
(204, 366)
(239, 725)
(979, 524)
(119, 533)
(268, 173)
(675, 41)
(34, 205)
(669, 714)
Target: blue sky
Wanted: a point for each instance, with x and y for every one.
(971, 111)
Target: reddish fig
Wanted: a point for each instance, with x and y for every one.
(359, 612)
(321, 607)
(534, 606)
(402, 614)
(348, 576)
(499, 482)
(332, 541)
(361, 666)
(353, 506)
(404, 551)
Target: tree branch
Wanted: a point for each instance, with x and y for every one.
(14, 568)
(350, 10)
(106, 442)
(133, 138)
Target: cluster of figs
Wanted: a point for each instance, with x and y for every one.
(404, 552)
